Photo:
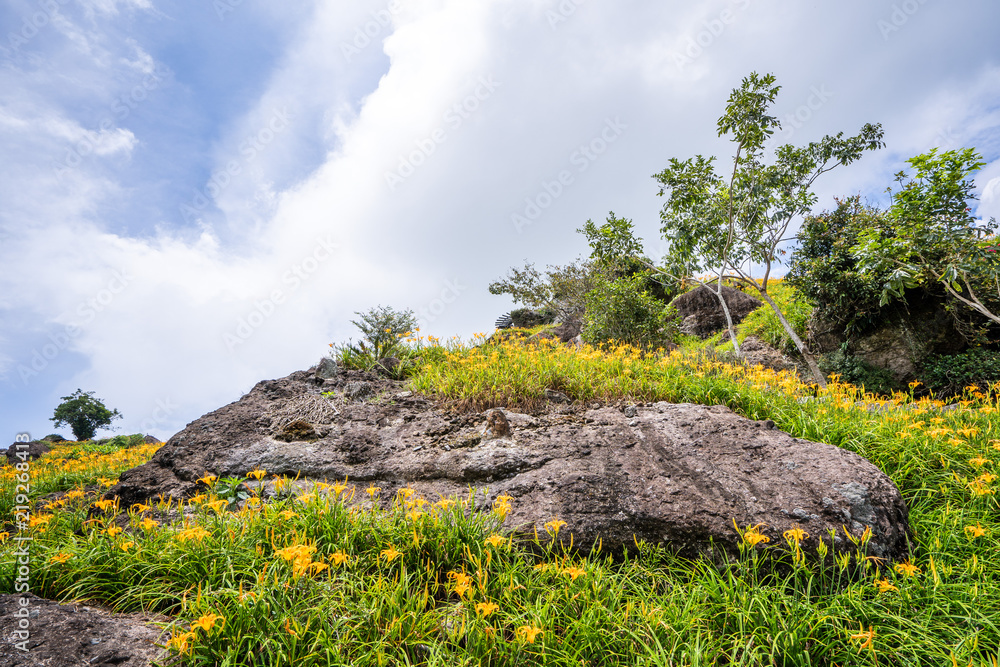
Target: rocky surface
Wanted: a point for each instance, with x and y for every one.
(900, 343)
(702, 315)
(28, 451)
(73, 635)
(672, 474)
(756, 351)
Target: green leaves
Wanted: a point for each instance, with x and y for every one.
(746, 116)
(384, 328)
(83, 413)
(934, 236)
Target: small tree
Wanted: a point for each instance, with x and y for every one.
(617, 253)
(933, 236)
(84, 414)
(384, 328)
(725, 225)
(561, 290)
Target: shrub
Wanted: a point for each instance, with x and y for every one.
(950, 374)
(560, 292)
(764, 323)
(526, 318)
(384, 330)
(825, 271)
(620, 310)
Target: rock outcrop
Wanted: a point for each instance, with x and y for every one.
(672, 474)
(900, 343)
(71, 635)
(757, 352)
(26, 451)
(701, 313)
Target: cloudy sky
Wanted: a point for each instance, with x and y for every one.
(195, 196)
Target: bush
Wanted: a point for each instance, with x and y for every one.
(620, 310)
(950, 374)
(859, 373)
(384, 330)
(526, 318)
(825, 271)
(764, 323)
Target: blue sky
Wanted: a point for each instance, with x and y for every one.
(197, 196)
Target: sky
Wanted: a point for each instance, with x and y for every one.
(195, 197)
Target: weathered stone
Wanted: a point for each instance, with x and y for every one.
(557, 396)
(900, 343)
(150, 439)
(54, 438)
(388, 366)
(327, 369)
(298, 430)
(497, 425)
(358, 391)
(28, 451)
(71, 635)
(702, 315)
(564, 332)
(677, 475)
(757, 352)
(526, 318)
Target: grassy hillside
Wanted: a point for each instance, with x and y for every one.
(319, 577)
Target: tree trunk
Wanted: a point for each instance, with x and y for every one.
(800, 346)
(729, 320)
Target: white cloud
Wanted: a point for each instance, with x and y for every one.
(191, 316)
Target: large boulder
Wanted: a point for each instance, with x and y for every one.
(671, 474)
(26, 451)
(900, 343)
(702, 315)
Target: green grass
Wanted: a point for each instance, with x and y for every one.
(376, 608)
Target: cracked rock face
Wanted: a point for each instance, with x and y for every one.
(672, 474)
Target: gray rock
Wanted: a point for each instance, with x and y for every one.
(26, 451)
(327, 369)
(702, 315)
(70, 635)
(557, 396)
(497, 425)
(677, 475)
(358, 391)
(757, 352)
